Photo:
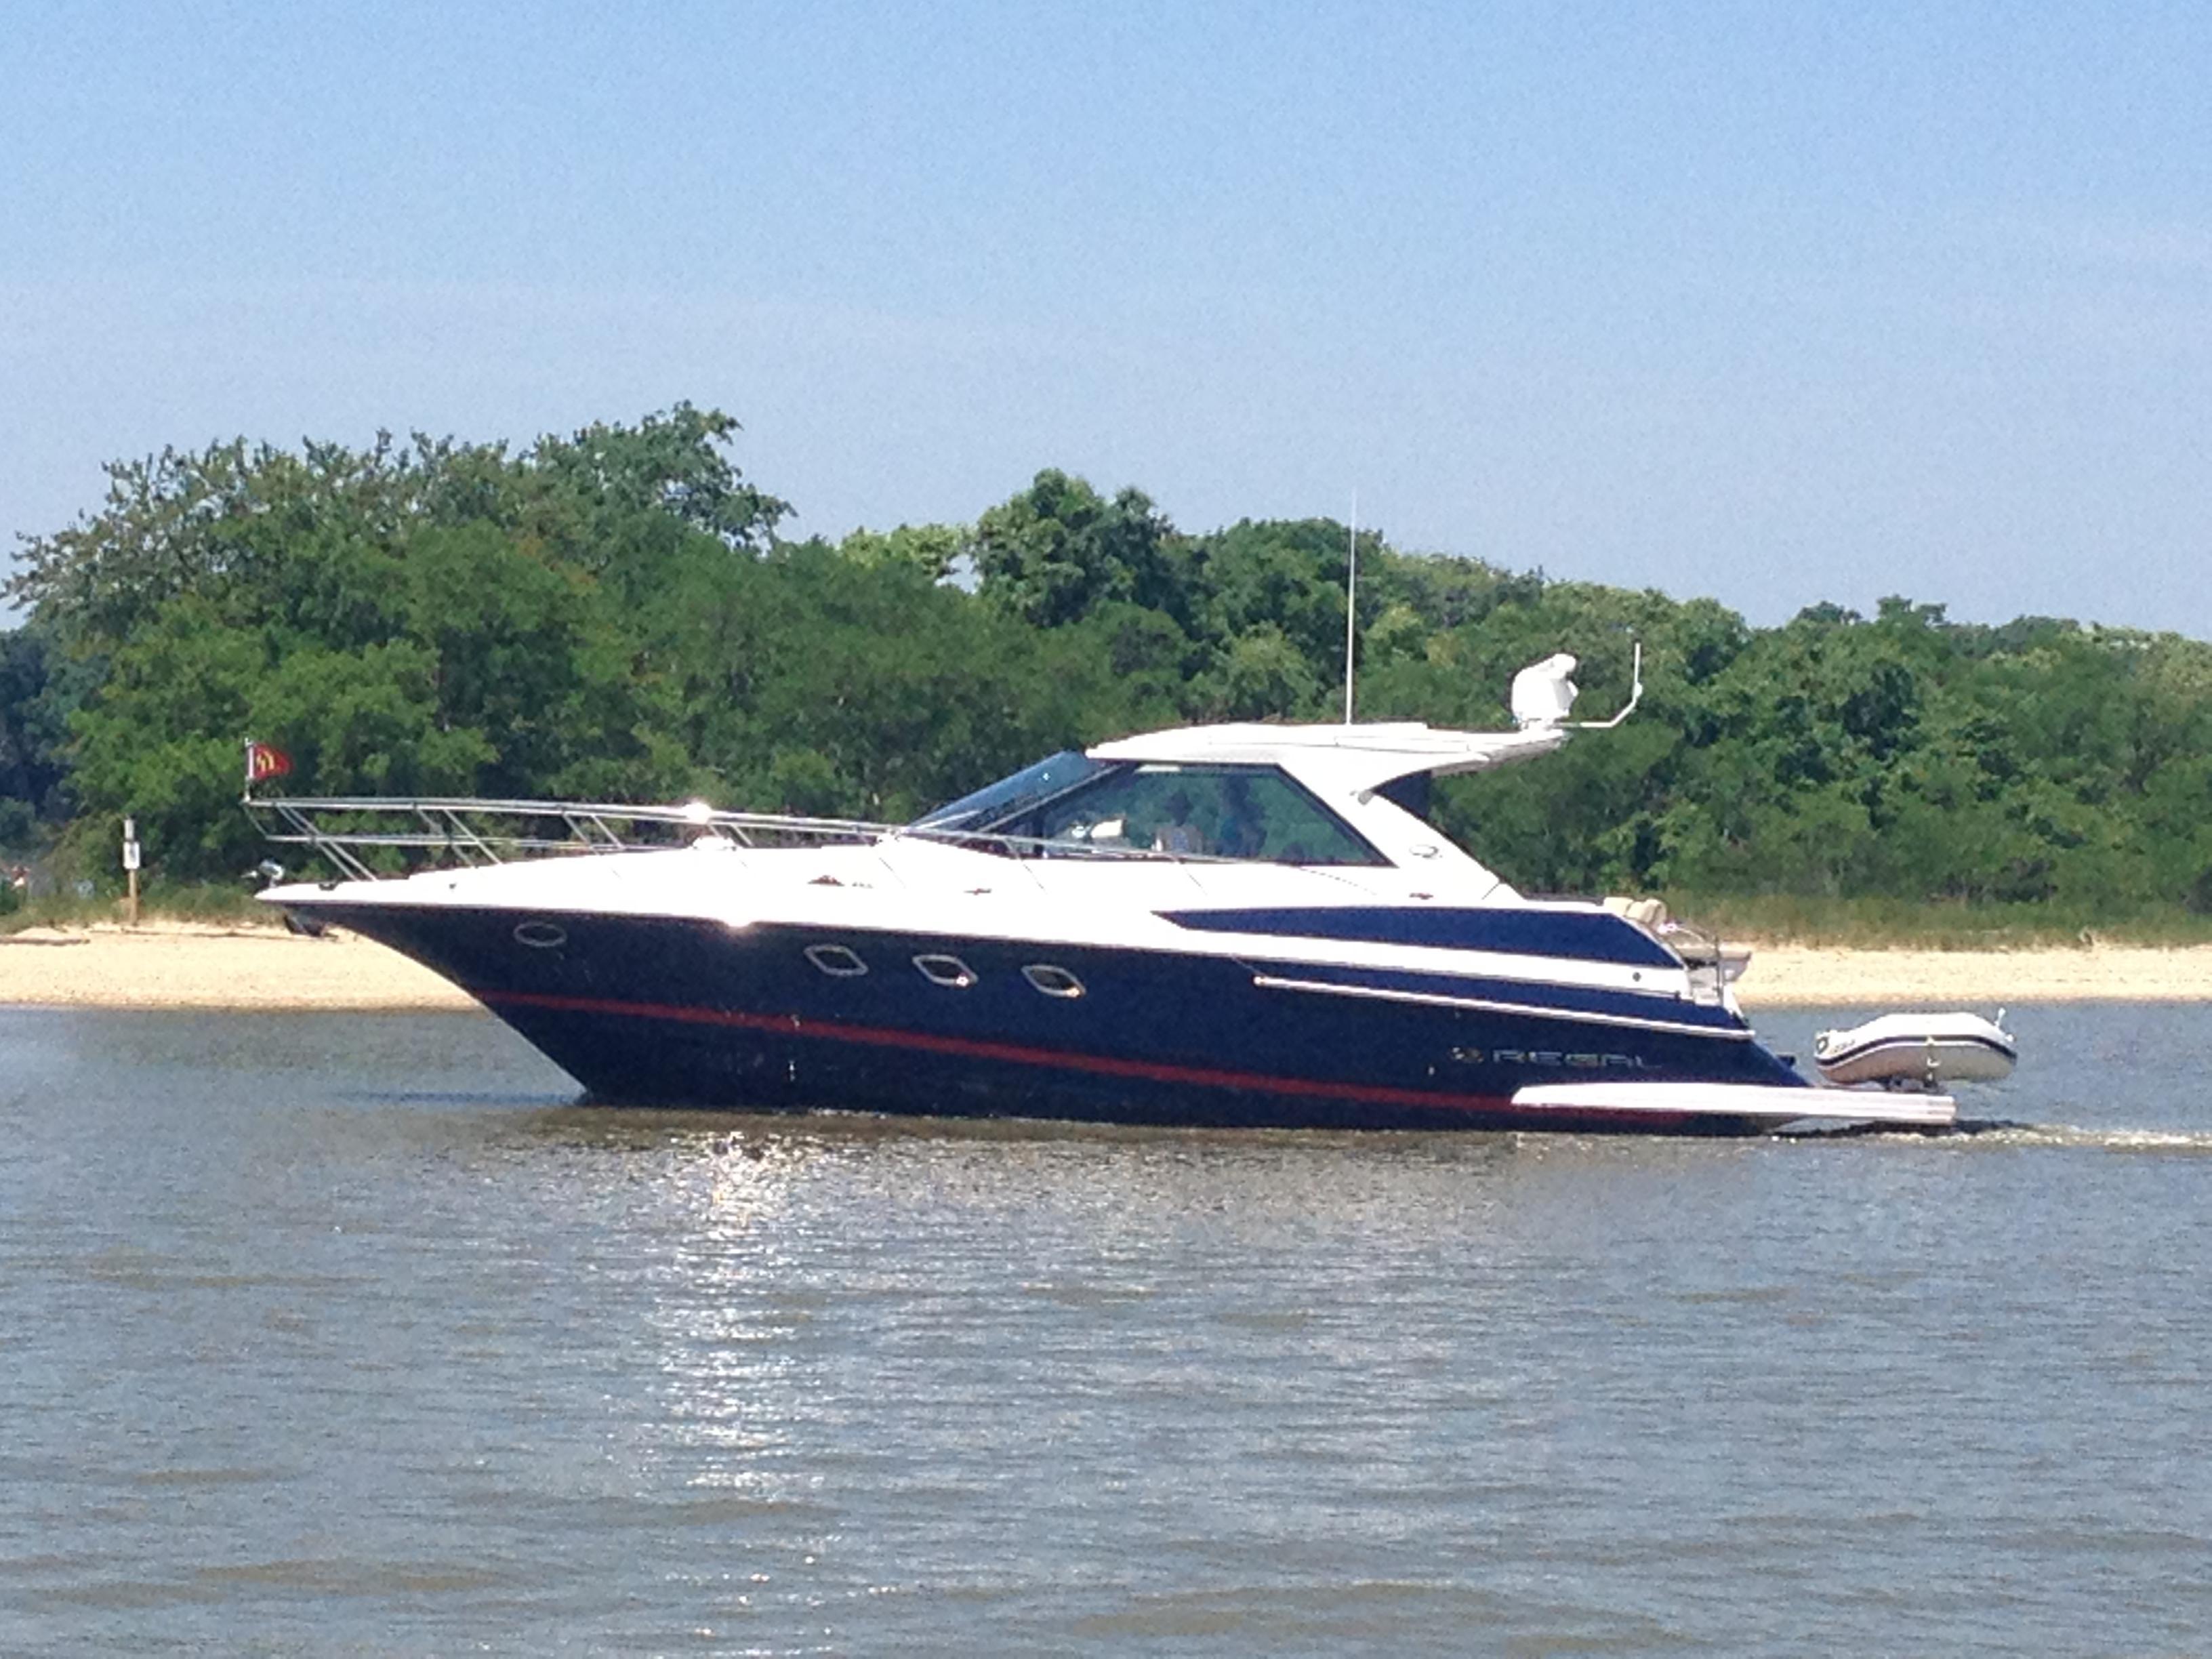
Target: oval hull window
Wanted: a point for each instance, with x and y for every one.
(836, 961)
(1053, 981)
(541, 935)
(948, 971)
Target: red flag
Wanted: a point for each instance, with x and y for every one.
(263, 762)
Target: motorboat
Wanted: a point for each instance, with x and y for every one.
(1234, 925)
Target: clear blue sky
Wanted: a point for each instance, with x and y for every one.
(1775, 302)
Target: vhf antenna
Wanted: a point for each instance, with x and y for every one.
(1351, 602)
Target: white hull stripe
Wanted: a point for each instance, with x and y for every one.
(1480, 1005)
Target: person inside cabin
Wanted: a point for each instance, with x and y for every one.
(1176, 833)
(1243, 828)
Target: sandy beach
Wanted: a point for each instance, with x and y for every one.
(182, 966)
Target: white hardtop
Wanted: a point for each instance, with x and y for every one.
(1336, 760)
(1358, 759)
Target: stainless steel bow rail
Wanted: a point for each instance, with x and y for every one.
(373, 837)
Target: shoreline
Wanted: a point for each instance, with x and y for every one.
(244, 969)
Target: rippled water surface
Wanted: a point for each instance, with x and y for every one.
(353, 1335)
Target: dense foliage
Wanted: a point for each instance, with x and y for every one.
(614, 616)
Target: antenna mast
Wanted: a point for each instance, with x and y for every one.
(1351, 602)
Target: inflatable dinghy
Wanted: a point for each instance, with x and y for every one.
(1917, 1051)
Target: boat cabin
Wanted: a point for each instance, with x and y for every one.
(1313, 796)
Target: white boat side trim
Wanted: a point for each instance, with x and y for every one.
(1661, 985)
(1775, 1105)
(1480, 1005)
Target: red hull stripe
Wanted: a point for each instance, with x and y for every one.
(1099, 1065)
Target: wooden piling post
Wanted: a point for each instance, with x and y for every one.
(130, 872)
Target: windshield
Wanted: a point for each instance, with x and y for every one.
(1092, 808)
(995, 802)
(1227, 811)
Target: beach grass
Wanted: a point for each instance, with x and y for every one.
(1893, 923)
(200, 902)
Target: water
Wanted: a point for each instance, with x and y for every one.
(346, 1335)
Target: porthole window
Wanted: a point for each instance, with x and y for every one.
(948, 971)
(541, 935)
(1053, 981)
(836, 961)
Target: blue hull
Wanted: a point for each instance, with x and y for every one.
(666, 1012)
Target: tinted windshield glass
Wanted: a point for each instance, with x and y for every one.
(1205, 812)
(990, 805)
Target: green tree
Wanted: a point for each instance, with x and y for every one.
(34, 697)
(443, 617)
(932, 549)
(1059, 551)
(1284, 577)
